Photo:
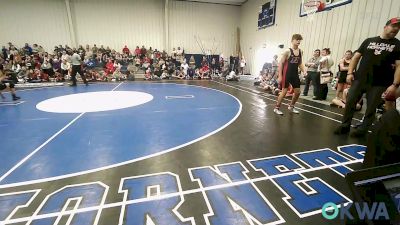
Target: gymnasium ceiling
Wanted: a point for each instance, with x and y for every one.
(226, 2)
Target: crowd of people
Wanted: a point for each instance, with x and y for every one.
(319, 75)
(35, 64)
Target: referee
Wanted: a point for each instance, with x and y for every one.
(76, 62)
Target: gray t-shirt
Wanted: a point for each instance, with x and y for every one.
(76, 59)
(315, 62)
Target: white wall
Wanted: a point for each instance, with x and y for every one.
(214, 26)
(340, 29)
(116, 23)
(120, 22)
(40, 21)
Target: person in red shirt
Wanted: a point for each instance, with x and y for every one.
(137, 51)
(126, 50)
(110, 67)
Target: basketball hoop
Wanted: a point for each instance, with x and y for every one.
(310, 7)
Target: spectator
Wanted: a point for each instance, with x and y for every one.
(325, 65)
(185, 68)
(242, 65)
(343, 69)
(35, 49)
(15, 68)
(312, 74)
(28, 49)
(94, 49)
(125, 50)
(110, 67)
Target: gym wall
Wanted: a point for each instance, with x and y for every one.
(120, 22)
(340, 29)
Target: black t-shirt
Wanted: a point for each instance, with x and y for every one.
(377, 64)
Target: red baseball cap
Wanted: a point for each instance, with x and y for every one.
(395, 20)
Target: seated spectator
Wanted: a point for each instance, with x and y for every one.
(16, 67)
(205, 72)
(110, 67)
(65, 67)
(232, 76)
(47, 70)
(165, 75)
(137, 61)
(56, 64)
(118, 76)
(132, 69)
(341, 102)
(157, 73)
(185, 68)
(148, 75)
(181, 74)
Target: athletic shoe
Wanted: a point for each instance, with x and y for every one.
(293, 110)
(277, 111)
(342, 130)
(15, 98)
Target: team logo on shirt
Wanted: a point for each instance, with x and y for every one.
(295, 59)
(379, 47)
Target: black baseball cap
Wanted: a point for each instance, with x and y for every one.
(393, 21)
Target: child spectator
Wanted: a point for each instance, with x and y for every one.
(110, 67)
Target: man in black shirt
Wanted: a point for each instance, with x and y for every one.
(380, 59)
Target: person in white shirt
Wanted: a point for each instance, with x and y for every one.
(232, 76)
(325, 65)
(185, 68)
(65, 56)
(242, 65)
(16, 67)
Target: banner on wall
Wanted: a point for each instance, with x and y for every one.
(266, 14)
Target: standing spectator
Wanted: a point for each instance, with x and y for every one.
(325, 65)
(126, 50)
(137, 51)
(143, 52)
(94, 49)
(13, 52)
(192, 62)
(213, 66)
(28, 49)
(242, 65)
(35, 49)
(312, 74)
(4, 52)
(185, 68)
(150, 53)
(343, 69)
(275, 66)
(374, 76)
